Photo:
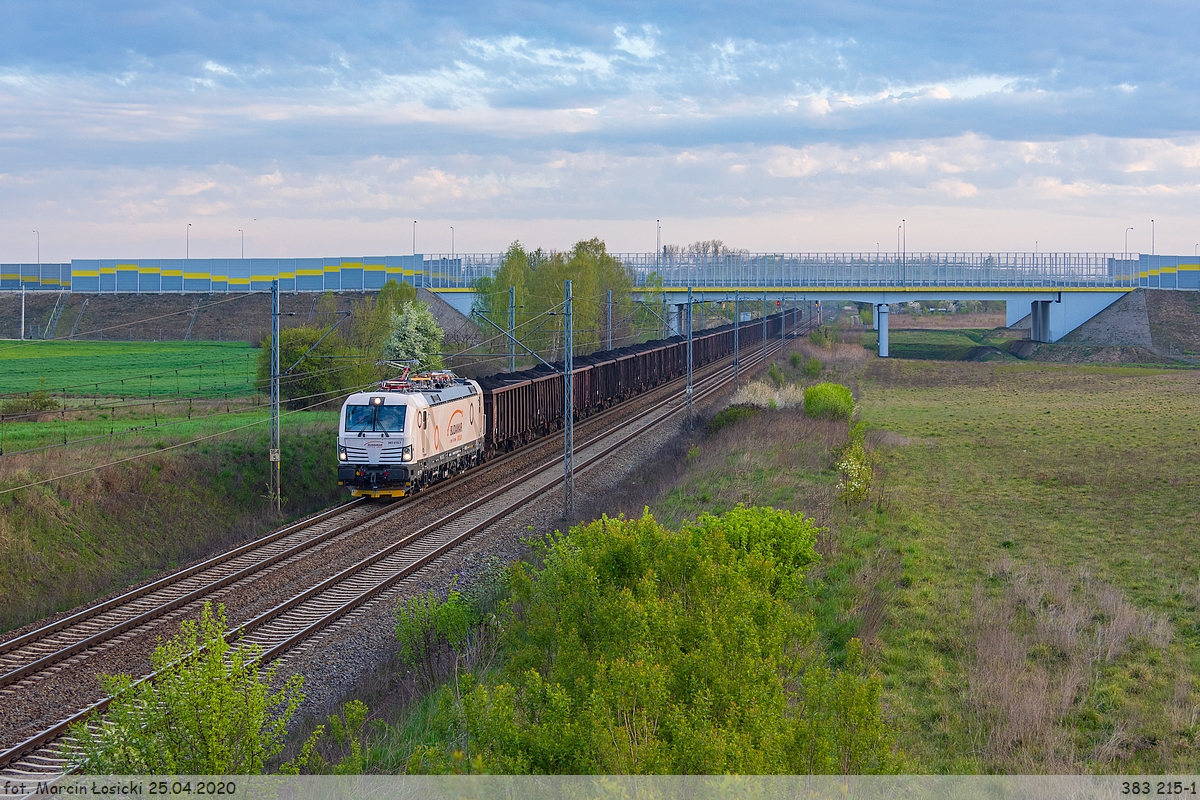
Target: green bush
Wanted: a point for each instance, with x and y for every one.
(857, 473)
(813, 367)
(424, 623)
(826, 336)
(866, 315)
(829, 401)
(796, 360)
(31, 404)
(728, 416)
(639, 650)
(776, 376)
(209, 711)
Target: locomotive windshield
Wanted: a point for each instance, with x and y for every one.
(389, 419)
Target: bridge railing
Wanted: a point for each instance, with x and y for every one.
(736, 269)
(886, 270)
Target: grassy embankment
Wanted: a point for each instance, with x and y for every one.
(74, 539)
(1025, 574)
(940, 345)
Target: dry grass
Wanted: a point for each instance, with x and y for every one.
(1038, 648)
(764, 395)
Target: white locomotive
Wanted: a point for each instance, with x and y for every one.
(409, 433)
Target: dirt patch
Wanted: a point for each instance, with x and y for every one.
(888, 439)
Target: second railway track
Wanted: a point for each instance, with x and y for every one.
(37, 656)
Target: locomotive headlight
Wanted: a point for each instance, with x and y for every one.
(341, 453)
(407, 453)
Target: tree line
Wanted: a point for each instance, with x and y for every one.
(343, 351)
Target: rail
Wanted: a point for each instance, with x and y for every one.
(340, 594)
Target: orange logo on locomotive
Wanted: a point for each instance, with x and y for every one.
(455, 429)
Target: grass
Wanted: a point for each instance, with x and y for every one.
(1025, 573)
(1087, 472)
(134, 427)
(940, 345)
(69, 541)
(124, 369)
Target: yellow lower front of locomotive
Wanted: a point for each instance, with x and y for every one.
(394, 492)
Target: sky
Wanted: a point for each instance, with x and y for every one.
(297, 128)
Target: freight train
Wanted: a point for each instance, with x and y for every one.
(420, 429)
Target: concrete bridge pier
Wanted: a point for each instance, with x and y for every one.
(1039, 320)
(881, 317)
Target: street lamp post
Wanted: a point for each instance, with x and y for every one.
(451, 242)
(1126, 254)
(414, 237)
(658, 247)
(898, 240)
(187, 242)
(1151, 237)
(21, 278)
(243, 235)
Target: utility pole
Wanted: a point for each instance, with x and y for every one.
(782, 326)
(568, 409)
(764, 327)
(512, 324)
(608, 325)
(275, 485)
(689, 358)
(737, 327)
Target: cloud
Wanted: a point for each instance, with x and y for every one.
(641, 47)
(601, 111)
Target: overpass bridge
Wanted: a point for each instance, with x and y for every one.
(1058, 291)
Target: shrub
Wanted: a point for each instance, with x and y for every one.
(424, 623)
(829, 401)
(209, 711)
(729, 416)
(639, 650)
(818, 337)
(34, 403)
(813, 367)
(774, 373)
(857, 474)
(866, 315)
(796, 360)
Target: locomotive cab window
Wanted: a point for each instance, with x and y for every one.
(390, 419)
(365, 419)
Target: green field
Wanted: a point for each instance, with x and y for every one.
(1025, 575)
(134, 394)
(126, 369)
(937, 345)
(186, 433)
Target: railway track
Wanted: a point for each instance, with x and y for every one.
(53, 649)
